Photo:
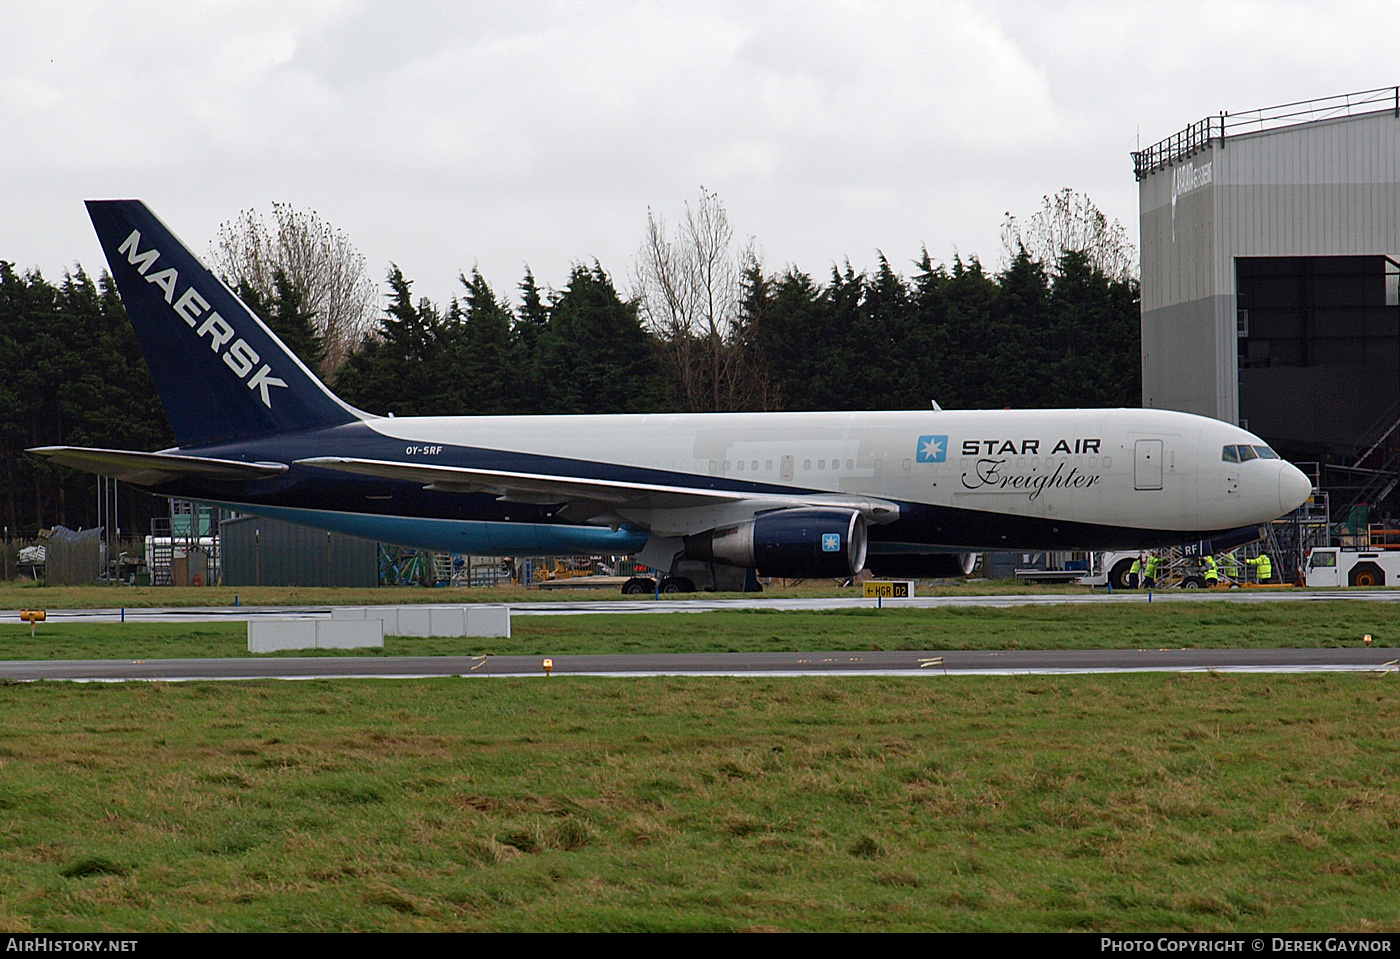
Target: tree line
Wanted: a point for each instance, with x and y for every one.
(705, 326)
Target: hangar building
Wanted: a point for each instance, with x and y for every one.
(1271, 280)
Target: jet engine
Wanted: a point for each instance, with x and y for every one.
(921, 565)
(789, 543)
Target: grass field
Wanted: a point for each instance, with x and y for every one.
(1136, 802)
(1134, 626)
(1107, 802)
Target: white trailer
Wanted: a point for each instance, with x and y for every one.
(1180, 568)
(1112, 568)
(1109, 568)
(1335, 566)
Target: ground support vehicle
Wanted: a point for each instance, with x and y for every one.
(1338, 566)
(1053, 567)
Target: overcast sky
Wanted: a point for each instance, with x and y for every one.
(447, 135)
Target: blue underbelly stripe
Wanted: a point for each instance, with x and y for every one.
(461, 536)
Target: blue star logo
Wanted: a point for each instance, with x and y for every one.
(933, 449)
(831, 542)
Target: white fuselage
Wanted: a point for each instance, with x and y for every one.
(1145, 469)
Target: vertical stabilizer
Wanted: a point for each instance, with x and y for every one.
(221, 373)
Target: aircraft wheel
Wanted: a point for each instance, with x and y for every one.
(677, 584)
(638, 585)
(1194, 582)
(1118, 576)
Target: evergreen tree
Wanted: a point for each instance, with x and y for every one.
(399, 368)
(1098, 331)
(1021, 338)
(788, 336)
(294, 324)
(527, 343)
(596, 356)
(484, 367)
(758, 390)
(887, 357)
(33, 355)
(71, 375)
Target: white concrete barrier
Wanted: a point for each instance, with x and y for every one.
(414, 621)
(488, 621)
(467, 620)
(389, 615)
(447, 621)
(349, 633)
(270, 635)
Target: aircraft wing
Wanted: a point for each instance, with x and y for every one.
(592, 496)
(152, 469)
(528, 487)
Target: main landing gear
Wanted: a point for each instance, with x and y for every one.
(670, 585)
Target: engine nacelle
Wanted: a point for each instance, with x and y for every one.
(921, 565)
(789, 543)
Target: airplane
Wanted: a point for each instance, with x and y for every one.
(792, 495)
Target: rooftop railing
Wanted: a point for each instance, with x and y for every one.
(1198, 136)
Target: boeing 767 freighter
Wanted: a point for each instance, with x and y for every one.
(789, 494)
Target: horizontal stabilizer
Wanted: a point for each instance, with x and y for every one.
(152, 469)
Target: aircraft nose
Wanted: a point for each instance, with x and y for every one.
(1294, 487)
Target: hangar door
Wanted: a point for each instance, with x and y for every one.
(1147, 464)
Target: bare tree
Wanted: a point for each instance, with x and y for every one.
(319, 260)
(688, 290)
(1070, 222)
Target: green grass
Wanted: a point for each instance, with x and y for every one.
(1135, 802)
(1189, 802)
(1064, 626)
(1116, 626)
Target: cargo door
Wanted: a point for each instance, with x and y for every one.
(1147, 464)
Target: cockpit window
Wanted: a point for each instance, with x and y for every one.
(1243, 454)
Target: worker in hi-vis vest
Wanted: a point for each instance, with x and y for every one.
(1149, 572)
(1263, 567)
(1230, 566)
(1212, 571)
(1135, 574)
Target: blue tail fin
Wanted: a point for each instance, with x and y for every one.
(221, 373)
